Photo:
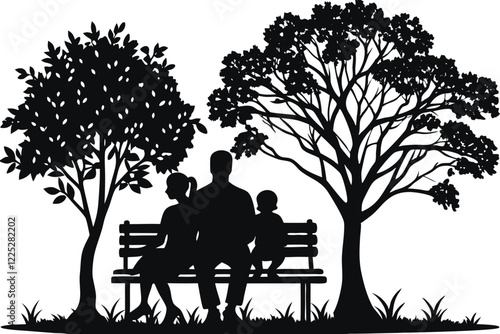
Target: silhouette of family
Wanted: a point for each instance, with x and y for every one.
(217, 228)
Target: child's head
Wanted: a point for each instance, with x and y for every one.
(267, 201)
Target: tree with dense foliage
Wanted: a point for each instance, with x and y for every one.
(96, 119)
(368, 107)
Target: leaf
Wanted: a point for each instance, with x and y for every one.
(11, 168)
(135, 188)
(132, 157)
(22, 73)
(93, 28)
(123, 185)
(56, 173)
(90, 174)
(278, 101)
(61, 185)
(52, 190)
(143, 183)
(112, 153)
(10, 152)
(59, 199)
(70, 191)
(169, 67)
(7, 160)
(201, 128)
(145, 49)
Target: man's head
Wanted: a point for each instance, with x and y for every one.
(221, 162)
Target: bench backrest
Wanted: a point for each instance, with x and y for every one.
(300, 241)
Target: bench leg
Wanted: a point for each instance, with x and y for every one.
(308, 302)
(305, 302)
(127, 299)
(302, 301)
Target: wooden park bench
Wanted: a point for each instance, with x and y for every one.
(301, 241)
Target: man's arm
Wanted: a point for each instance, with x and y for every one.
(248, 218)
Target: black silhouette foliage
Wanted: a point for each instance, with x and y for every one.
(102, 112)
(323, 69)
(100, 96)
(363, 96)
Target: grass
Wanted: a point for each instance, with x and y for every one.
(435, 314)
(472, 321)
(287, 314)
(321, 314)
(112, 315)
(323, 322)
(152, 317)
(389, 313)
(194, 318)
(31, 317)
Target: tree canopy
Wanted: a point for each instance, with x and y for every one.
(364, 96)
(100, 105)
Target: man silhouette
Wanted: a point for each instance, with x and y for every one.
(224, 220)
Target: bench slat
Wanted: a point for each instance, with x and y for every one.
(137, 240)
(131, 252)
(154, 228)
(301, 240)
(289, 252)
(300, 227)
(252, 271)
(225, 279)
(301, 251)
(148, 239)
(139, 228)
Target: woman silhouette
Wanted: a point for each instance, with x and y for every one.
(159, 264)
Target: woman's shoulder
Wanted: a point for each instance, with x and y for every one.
(171, 211)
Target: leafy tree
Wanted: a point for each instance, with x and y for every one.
(361, 94)
(97, 118)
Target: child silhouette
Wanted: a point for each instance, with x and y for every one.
(269, 235)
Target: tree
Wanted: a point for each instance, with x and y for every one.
(373, 112)
(96, 120)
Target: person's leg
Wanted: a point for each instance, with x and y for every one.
(205, 272)
(257, 262)
(240, 262)
(143, 308)
(173, 312)
(277, 261)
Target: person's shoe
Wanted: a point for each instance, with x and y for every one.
(141, 310)
(230, 315)
(213, 317)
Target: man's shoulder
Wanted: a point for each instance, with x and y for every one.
(225, 187)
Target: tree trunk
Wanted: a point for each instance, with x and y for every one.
(354, 309)
(85, 314)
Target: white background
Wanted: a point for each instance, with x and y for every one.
(411, 243)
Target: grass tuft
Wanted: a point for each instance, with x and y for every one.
(389, 313)
(321, 314)
(194, 318)
(111, 316)
(246, 312)
(58, 317)
(472, 320)
(152, 317)
(31, 317)
(435, 313)
(287, 314)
